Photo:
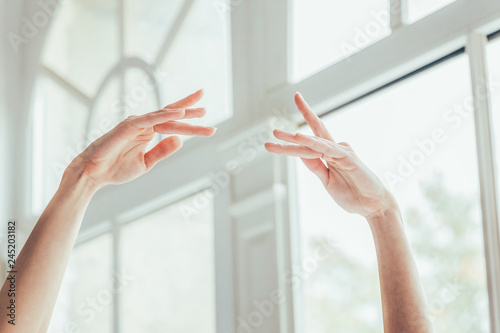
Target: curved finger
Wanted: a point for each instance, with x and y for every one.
(187, 101)
(163, 149)
(328, 149)
(157, 117)
(318, 168)
(317, 126)
(292, 150)
(175, 127)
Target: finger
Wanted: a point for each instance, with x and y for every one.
(157, 117)
(285, 136)
(194, 113)
(163, 149)
(188, 113)
(327, 148)
(175, 127)
(318, 168)
(187, 101)
(292, 150)
(312, 119)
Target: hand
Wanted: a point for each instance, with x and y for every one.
(350, 183)
(119, 156)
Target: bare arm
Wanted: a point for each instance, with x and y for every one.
(403, 302)
(117, 157)
(356, 189)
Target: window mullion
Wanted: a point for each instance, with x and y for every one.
(117, 269)
(476, 46)
(396, 13)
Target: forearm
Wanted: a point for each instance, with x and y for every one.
(41, 264)
(403, 301)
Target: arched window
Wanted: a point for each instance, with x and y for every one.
(105, 60)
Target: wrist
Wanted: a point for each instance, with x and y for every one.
(76, 179)
(386, 217)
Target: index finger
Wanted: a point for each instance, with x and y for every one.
(312, 119)
(154, 118)
(186, 101)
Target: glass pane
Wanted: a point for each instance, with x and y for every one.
(200, 58)
(325, 31)
(418, 9)
(85, 301)
(171, 254)
(59, 136)
(147, 23)
(419, 138)
(82, 45)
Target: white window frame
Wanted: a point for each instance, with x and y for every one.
(260, 63)
(408, 49)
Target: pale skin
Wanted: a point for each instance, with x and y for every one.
(120, 156)
(358, 190)
(117, 157)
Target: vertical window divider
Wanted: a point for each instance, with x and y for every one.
(396, 13)
(115, 233)
(121, 50)
(476, 48)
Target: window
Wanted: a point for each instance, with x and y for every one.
(85, 302)
(89, 81)
(422, 145)
(162, 273)
(103, 60)
(171, 255)
(418, 9)
(325, 31)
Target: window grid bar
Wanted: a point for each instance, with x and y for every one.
(389, 85)
(65, 84)
(173, 31)
(476, 48)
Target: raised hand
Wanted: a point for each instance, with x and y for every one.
(346, 178)
(120, 155)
